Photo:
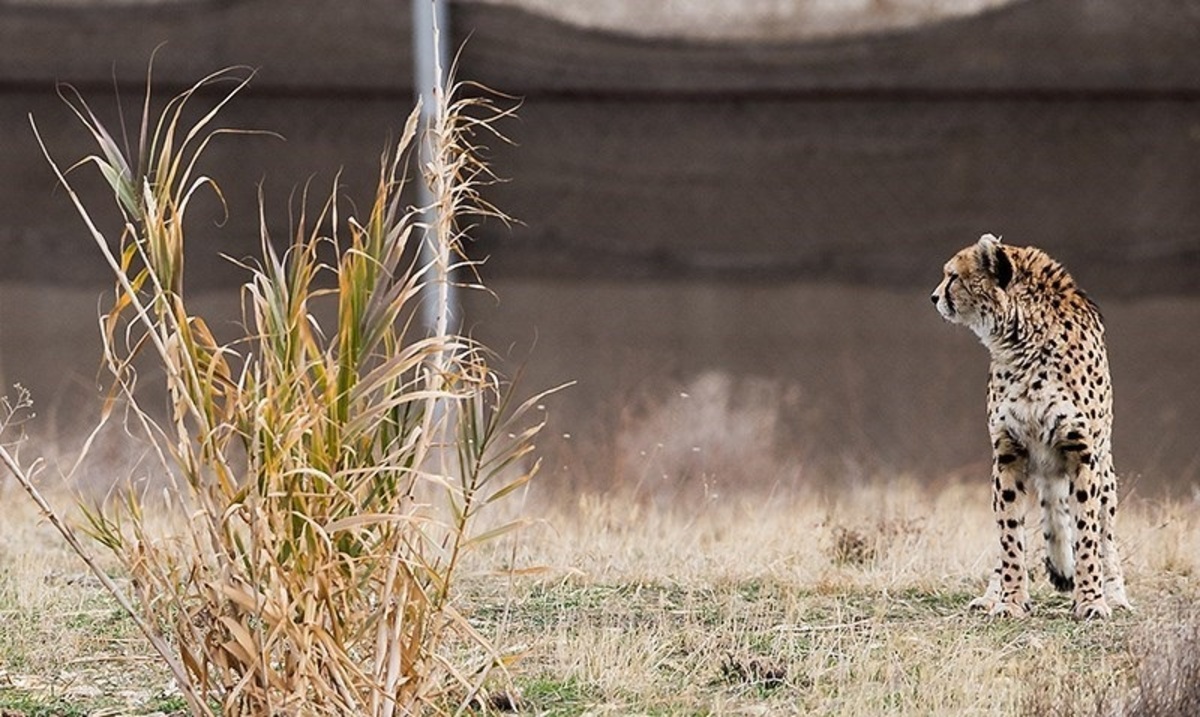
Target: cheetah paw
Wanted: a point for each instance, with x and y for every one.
(986, 603)
(995, 607)
(1114, 595)
(1011, 609)
(1096, 609)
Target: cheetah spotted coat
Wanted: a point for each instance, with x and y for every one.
(1050, 421)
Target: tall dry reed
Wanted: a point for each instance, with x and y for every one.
(327, 478)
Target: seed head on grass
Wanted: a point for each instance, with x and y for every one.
(327, 478)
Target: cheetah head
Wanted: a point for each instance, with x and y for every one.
(972, 291)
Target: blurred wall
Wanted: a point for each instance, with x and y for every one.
(768, 211)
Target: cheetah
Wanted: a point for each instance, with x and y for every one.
(1049, 418)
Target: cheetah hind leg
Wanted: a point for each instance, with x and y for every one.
(1114, 579)
(1110, 555)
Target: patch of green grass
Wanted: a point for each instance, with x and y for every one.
(616, 605)
(169, 704)
(922, 601)
(759, 590)
(555, 697)
(28, 705)
(104, 622)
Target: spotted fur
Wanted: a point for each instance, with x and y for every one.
(1050, 421)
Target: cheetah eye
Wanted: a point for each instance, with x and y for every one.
(950, 277)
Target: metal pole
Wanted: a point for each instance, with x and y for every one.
(430, 27)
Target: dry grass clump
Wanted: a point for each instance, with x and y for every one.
(852, 547)
(328, 478)
(1162, 678)
(860, 546)
(1167, 682)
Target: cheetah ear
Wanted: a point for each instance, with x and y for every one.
(994, 260)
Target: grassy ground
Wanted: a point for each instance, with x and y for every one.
(851, 604)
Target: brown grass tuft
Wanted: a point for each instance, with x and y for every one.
(1167, 682)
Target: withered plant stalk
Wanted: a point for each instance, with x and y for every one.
(327, 478)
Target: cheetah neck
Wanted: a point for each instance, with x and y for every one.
(1018, 333)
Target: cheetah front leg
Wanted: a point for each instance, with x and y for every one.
(1008, 589)
(1080, 460)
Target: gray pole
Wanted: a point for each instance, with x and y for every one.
(430, 32)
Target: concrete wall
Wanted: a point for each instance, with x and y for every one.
(773, 211)
(1069, 124)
